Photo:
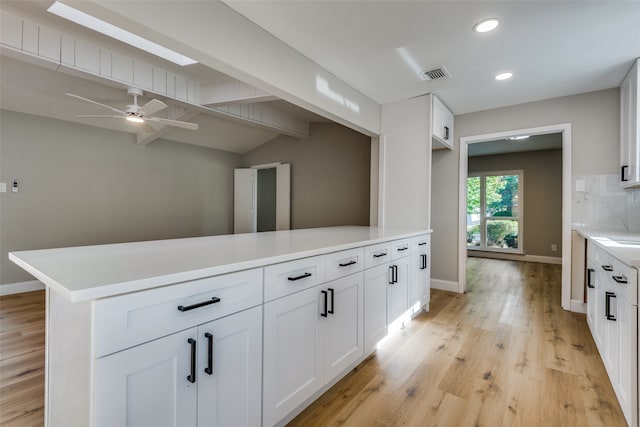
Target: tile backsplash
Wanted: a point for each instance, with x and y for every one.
(604, 204)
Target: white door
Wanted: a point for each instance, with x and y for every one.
(147, 385)
(293, 361)
(342, 329)
(375, 304)
(245, 201)
(398, 291)
(230, 370)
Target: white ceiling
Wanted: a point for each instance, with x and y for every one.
(553, 48)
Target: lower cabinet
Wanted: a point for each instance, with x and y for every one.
(419, 284)
(398, 288)
(208, 375)
(309, 337)
(376, 280)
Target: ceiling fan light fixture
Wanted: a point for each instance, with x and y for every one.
(486, 25)
(135, 119)
(103, 27)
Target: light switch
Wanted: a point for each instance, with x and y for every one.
(14, 186)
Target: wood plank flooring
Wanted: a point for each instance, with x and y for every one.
(504, 354)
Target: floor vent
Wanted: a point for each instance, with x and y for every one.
(436, 73)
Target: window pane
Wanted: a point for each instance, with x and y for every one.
(473, 211)
(502, 233)
(501, 193)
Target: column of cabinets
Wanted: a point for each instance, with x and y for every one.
(612, 315)
(312, 333)
(630, 128)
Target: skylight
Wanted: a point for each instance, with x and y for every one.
(117, 33)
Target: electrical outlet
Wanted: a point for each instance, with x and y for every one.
(580, 185)
(3, 187)
(554, 247)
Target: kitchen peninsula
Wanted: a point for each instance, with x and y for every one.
(241, 329)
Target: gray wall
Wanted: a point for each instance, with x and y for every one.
(329, 174)
(542, 195)
(595, 133)
(81, 185)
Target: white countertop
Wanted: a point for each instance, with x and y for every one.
(624, 246)
(90, 272)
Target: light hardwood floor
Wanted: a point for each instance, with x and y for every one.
(504, 354)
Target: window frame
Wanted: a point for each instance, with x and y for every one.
(484, 217)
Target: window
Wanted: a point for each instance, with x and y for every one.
(494, 211)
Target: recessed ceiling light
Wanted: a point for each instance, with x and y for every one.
(503, 76)
(118, 33)
(486, 25)
(518, 138)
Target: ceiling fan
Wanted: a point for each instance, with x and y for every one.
(135, 113)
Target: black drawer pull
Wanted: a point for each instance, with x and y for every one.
(347, 264)
(209, 368)
(619, 279)
(380, 255)
(422, 244)
(590, 271)
(302, 276)
(324, 313)
(198, 305)
(332, 304)
(403, 248)
(608, 267)
(607, 303)
(192, 377)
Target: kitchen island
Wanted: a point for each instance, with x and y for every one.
(226, 330)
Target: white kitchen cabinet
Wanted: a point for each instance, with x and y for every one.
(442, 125)
(398, 288)
(419, 284)
(630, 128)
(591, 296)
(376, 280)
(309, 337)
(204, 376)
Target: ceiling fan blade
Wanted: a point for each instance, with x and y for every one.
(95, 103)
(176, 123)
(152, 107)
(99, 116)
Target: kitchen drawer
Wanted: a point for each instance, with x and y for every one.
(377, 254)
(293, 276)
(128, 320)
(625, 279)
(420, 244)
(400, 248)
(343, 263)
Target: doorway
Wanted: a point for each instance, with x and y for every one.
(465, 142)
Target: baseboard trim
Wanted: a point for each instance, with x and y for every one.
(444, 285)
(516, 257)
(20, 287)
(578, 306)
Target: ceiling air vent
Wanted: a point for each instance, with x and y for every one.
(436, 73)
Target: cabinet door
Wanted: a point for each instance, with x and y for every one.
(590, 275)
(147, 385)
(375, 304)
(629, 129)
(611, 334)
(230, 370)
(419, 285)
(398, 291)
(442, 123)
(342, 329)
(293, 362)
(627, 351)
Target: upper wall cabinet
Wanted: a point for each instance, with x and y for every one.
(442, 125)
(630, 129)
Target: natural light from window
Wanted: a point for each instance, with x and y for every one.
(494, 210)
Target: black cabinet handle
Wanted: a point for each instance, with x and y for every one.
(347, 264)
(608, 267)
(331, 311)
(403, 248)
(590, 271)
(622, 174)
(423, 259)
(620, 279)
(192, 377)
(391, 282)
(302, 276)
(446, 132)
(209, 368)
(380, 255)
(607, 303)
(324, 313)
(198, 305)
(394, 273)
(422, 244)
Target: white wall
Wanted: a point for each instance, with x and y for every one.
(595, 136)
(82, 185)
